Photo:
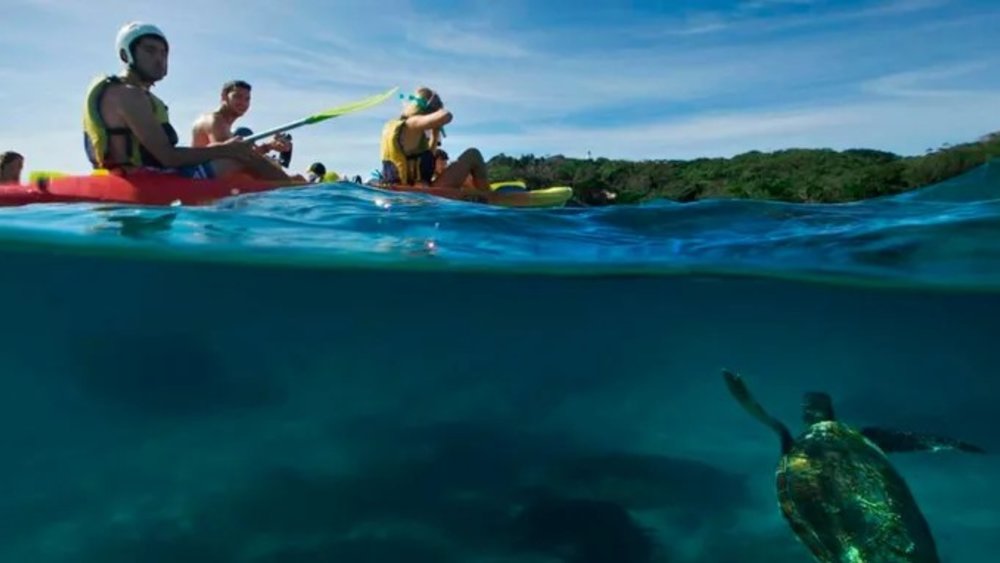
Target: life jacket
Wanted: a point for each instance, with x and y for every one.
(400, 167)
(97, 135)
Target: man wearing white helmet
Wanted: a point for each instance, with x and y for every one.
(127, 128)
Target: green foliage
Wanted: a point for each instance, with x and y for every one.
(793, 175)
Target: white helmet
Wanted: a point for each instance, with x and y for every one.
(132, 31)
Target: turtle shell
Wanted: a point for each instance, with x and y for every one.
(846, 502)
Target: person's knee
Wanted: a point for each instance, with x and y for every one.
(473, 155)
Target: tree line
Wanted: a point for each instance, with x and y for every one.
(793, 175)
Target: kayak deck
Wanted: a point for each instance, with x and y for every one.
(139, 188)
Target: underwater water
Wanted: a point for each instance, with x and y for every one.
(334, 373)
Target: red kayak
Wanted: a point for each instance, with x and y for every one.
(144, 188)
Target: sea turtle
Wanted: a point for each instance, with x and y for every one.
(839, 492)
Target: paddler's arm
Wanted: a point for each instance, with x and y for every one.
(435, 120)
(135, 110)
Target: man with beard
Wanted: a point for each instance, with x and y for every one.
(127, 128)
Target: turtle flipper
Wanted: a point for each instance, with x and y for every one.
(900, 441)
(739, 390)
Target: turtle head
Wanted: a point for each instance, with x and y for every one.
(817, 407)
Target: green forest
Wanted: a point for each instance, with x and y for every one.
(793, 175)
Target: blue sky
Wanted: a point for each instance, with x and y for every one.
(637, 80)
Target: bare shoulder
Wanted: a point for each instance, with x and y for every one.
(128, 95)
(121, 100)
(205, 120)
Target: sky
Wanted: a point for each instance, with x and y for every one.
(634, 80)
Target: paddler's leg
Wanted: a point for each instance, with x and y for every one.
(470, 162)
(259, 167)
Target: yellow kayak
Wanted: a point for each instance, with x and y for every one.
(504, 194)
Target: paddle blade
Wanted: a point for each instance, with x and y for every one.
(353, 106)
(322, 116)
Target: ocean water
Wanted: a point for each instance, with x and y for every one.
(334, 373)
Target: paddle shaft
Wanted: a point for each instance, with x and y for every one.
(279, 129)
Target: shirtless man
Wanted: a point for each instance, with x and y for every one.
(127, 128)
(216, 127)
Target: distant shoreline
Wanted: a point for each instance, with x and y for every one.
(791, 175)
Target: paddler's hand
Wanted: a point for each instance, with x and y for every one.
(281, 143)
(239, 150)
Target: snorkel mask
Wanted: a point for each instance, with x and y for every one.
(425, 106)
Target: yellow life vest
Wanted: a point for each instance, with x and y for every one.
(97, 134)
(400, 167)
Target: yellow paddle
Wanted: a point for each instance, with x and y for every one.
(351, 107)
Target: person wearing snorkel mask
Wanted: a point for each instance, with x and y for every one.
(409, 142)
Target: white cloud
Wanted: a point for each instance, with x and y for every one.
(760, 4)
(749, 17)
(701, 23)
(927, 82)
(466, 41)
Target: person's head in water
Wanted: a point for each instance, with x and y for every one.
(440, 161)
(316, 172)
(11, 164)
(236, 97)
(144, 50)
